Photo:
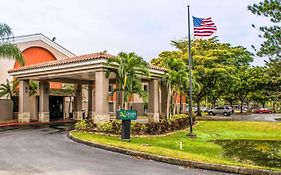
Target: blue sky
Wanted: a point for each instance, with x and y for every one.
(143, 26)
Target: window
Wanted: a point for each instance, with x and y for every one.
(219, 107)
(145, 87)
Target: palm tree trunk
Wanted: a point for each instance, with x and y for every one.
(168, 103)
(180, 104)
(118, 96)
(173, 104)
(123, 100)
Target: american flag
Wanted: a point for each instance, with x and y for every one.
(203, 26)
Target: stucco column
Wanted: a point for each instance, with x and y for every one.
(164, 95)
(153, 102)
(91, 101)
(77, 113)
(44, 113)
(24, 113)
(101, 97)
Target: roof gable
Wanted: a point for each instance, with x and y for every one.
(43, 38)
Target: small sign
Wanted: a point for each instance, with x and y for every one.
(127, 114)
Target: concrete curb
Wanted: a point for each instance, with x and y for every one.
(186, 163)
(16, 124)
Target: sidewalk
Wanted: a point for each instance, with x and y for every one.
(16, 123)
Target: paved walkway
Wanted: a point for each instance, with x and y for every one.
(46, 150)
(16, 123)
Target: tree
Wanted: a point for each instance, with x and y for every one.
(260, 97)
(128, 68)
(213, 62)
(8, 50)
(9, 89)
(271, 84)
(272, 45)
(175, 79)
(248, 80)
(33, 87)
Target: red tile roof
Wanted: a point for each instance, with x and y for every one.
(156, 67)
(76, 59)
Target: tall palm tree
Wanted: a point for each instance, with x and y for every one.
(8, 50)
(128, 68)
(176, 79)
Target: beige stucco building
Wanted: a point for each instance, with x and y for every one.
(89, 70)
(32, 41)
(36, 48)
(54, 67)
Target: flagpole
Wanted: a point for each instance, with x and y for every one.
(190, 134)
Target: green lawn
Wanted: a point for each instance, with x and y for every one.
(200, 149)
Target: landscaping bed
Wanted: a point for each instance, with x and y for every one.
(260, 139)
(175, 123)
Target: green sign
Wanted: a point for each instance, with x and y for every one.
(127, 114)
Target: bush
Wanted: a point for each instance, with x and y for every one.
(176, 122)
(178, 116)
(113, 127)
(81, 125)
(104, 127)
(116, 126)
(85, 125)
(137, 128)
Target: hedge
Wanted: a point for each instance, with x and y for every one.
(177, 122)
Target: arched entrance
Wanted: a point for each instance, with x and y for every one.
(39, 55)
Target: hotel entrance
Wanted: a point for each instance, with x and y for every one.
(56, 107)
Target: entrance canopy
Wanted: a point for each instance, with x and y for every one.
(80, 69)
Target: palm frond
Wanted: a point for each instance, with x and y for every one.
(10, 51)
(5, 31)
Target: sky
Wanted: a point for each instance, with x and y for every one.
(145, 27)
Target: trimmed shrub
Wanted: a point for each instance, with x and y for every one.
(178, 116)
(104, 127)
(176, 122)
(116, 126)
(81, 125)
(85, 125)
(109, 127)
(137, 128)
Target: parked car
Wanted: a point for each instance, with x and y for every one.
(224, 110)
(204, 109)
(194, 109)
(263, 110)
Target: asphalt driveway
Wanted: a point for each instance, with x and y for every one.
(257, 117)
(47, 151)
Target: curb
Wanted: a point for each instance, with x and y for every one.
(186, 163)
(20, 125)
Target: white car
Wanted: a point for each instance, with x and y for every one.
(224, 110)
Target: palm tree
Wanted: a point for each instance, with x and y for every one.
(8, 50)
(176, 79)
(9, 90)
(128, 68)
